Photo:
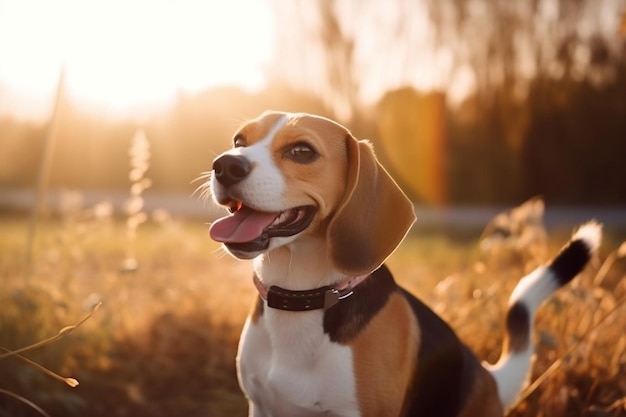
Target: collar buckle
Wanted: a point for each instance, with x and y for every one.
(333, 296)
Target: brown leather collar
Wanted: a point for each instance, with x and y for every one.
(316, 299)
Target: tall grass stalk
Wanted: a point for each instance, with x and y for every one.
(62, 333)
(139, 153)
(44, 173)
(25, 401)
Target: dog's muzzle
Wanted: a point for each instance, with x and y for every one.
(247, 229)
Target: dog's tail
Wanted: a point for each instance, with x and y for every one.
(512, 369)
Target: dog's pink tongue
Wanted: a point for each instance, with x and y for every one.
(242, 226)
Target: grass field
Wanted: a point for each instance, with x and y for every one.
(163, 341)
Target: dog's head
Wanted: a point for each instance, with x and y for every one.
(294, 175)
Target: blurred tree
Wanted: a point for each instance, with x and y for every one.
(21, 145)
(350, 50)
(412, 130)
(92, 150)
(495, 60)
(343, 49)
(534, 101)
(574, 149)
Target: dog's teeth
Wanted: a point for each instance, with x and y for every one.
(282, 217)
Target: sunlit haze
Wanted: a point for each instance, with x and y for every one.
(120, 56)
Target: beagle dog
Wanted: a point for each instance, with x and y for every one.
(331, 333)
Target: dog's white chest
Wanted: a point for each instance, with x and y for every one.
(295, 371)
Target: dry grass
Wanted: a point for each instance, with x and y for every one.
(581, 327)
(164, 340)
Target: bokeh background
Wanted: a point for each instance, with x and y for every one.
(468, 102)
(504, 121)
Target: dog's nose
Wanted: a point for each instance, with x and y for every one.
(230, 169)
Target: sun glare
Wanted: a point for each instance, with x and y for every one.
(124, 55)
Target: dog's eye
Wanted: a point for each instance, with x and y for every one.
(239, 141)
(302, 153)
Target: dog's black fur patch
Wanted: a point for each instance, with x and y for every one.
(518, 326)
(346, 319)
(570, 261)
(445, 367)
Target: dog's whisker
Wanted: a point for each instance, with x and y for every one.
(203, 190)
(198, 189)
(205, 196)
(221, 252)
(203, 176)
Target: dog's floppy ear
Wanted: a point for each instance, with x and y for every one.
(373, 217)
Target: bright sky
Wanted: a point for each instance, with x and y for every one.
(122, 54)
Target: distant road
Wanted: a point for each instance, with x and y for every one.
(181, 205)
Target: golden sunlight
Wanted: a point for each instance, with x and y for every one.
(120, 56)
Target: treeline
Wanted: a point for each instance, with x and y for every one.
(565, 141)
(91, 151)
(546, 114)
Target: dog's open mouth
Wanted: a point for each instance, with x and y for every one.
(250, 230)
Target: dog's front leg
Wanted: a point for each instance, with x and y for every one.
(252, 362)
(255, 411)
